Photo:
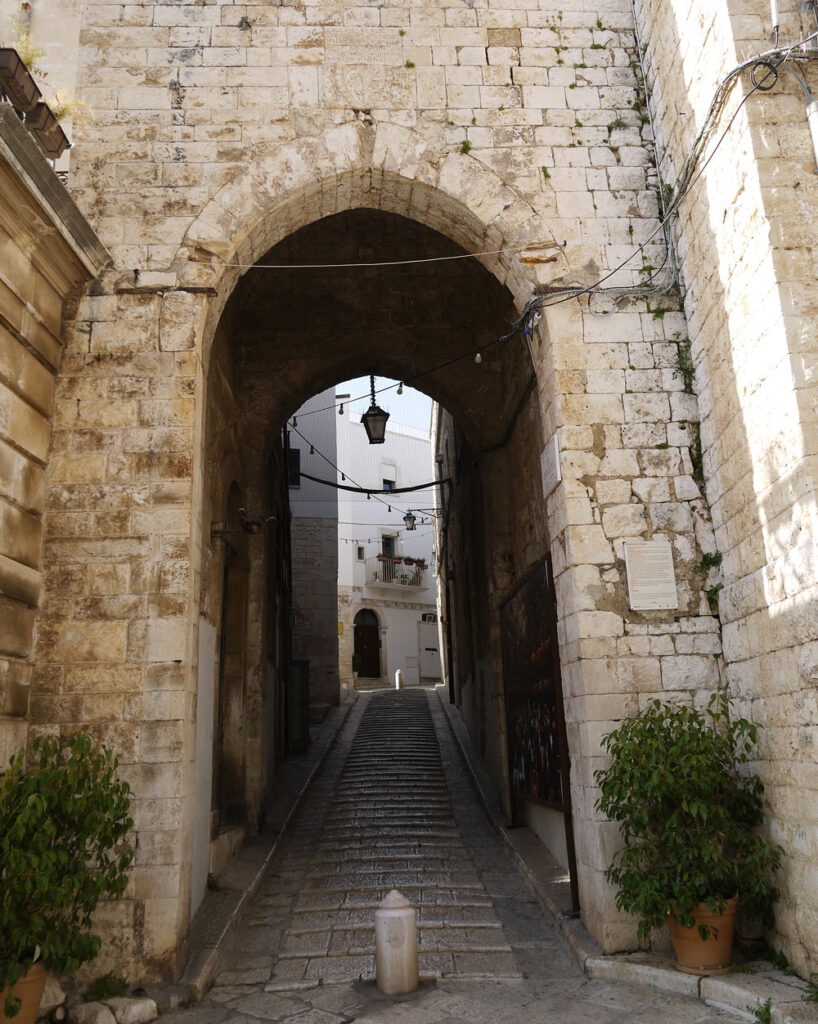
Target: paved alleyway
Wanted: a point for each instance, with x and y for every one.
(394, 808)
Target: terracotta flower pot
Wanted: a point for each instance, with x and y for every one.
(30, 989)
(713, 955)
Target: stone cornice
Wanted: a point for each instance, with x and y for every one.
(19, 151)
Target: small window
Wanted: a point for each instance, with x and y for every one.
(389, 485)
(294, 467)
(428, 617)
(361, 554)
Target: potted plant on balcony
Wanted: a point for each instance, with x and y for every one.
(63, 823)
(689, 823)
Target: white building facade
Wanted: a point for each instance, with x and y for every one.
(387, 593)
(311, 452)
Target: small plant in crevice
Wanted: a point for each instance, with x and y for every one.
(545, 173)
(777, 959)
(409, 64)
(106, 986)
(811, 995)
(696, 460)
(684, 364)
(465, 147)
(712, 594)
(710, 560)
(762, 1013)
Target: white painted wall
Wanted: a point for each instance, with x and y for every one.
(314, 546)
(316, 427)
(405, 457)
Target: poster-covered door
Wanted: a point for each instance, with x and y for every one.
(429, 651)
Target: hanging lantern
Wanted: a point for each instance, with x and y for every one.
(374, 419)
(409, 519)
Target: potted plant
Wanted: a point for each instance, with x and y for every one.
(409, 560)
(688, 819)
(63, 823)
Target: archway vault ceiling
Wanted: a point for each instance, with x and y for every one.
(294, 332)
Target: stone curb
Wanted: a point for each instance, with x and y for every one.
(206, 951)
(737, 993)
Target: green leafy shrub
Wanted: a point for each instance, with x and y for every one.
(687, 817)
(63, 827)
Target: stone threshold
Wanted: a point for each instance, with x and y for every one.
(742, 992)
(221, 910)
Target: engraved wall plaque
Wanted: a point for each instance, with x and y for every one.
(550, 466)
(651, 577)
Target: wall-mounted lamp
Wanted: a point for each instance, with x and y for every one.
(374, 419)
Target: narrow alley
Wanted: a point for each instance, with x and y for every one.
(394, 807)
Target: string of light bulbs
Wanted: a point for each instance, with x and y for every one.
(370, 492)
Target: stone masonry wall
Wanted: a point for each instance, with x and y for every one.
(219, 129)
(315, 603)
(48, 251)
(746, 237)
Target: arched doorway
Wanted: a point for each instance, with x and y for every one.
(367, 651)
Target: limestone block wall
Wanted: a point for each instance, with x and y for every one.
(48, 251)
(315, 603)
(746, 236)
(218, 130)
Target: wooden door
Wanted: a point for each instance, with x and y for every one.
(368, 650)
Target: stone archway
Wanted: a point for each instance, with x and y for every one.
(379, 203)
(154, 351)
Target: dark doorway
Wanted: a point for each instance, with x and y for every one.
(368, 644)
(229, 760)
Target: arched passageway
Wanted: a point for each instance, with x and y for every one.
(369, 291)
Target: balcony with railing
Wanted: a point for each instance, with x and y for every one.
(397, 573)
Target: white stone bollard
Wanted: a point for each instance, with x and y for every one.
(399, 679)
(396, 946)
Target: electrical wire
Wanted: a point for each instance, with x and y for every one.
(370, 490)
(384, 263)
(771, 59)
(374, 492)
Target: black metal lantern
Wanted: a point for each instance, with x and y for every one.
(409, 519)
(374, 419)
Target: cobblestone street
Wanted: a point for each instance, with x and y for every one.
(393, 807)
